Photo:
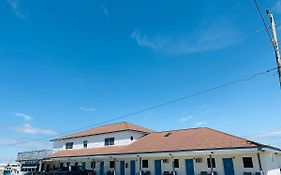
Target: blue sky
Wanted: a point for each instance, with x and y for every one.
(69, 64)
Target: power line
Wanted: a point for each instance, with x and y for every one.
(152, 107)
(262, 18)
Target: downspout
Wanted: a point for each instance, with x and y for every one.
(259, 160)
(211, 163)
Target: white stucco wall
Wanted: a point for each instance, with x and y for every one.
(95, 141)
(198, 167)
(271, 162)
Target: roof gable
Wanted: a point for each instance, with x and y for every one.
(117, 127)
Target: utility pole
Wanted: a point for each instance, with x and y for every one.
(275, 44)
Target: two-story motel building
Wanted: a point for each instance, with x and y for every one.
(128, 149)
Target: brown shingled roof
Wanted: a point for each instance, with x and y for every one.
(116, 127)
(169, 141)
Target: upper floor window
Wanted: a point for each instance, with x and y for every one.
(69, 145)
(213, 163)
(248, 162)
(85, 144)
(109, 141)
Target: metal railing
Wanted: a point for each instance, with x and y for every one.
(34, 155)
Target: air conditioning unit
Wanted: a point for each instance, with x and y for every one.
(198, 160)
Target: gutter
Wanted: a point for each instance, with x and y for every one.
(253, 148)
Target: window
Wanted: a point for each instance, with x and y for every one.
(248, 162)
(109, 141)
(132, 138)
(213, 162)
(84, 164)
(93, 164)
(69, 145)
(111, 164)
(198, 160)
(85, 144)
(144, 163)
(176, 163)
(68, 164)
(76, 163)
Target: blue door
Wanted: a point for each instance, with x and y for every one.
(101, 168)
(158, 170)
(122, 167)
(189, 167)
(228, 166)
(133, 167)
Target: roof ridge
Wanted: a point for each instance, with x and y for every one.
(180, 129)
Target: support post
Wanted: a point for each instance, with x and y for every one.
(259, 161)
(211, 163)
(140, 164)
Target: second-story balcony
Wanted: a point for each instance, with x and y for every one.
(34, 155)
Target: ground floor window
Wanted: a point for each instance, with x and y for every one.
(93, 164)
(211, 163)
(84, 164)
(248, 162)
(111, 164)
(145, 163)
(176, 163)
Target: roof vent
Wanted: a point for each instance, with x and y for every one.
(168, 134)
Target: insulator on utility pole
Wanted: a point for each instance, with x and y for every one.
(275, 43)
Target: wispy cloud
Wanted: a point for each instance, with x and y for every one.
(7, 141)
(184, 119)
(24, 116)
(200, 124)
(87, 109)
(105, 11)
(15, 7)
(268, 134)
(27, 128)
(277, 7)
(216, 36)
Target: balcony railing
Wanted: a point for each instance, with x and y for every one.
(34, 155)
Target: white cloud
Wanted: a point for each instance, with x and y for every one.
(24, 116)
(105, 11)
(277, 7)
(5, 141)
(200, 124)
(27, 128)
(15, 7)
(87, 109)
(269, 134)
(184, 119)
(216, 36)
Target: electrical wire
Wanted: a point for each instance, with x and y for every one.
(151, 107)
(262, 18)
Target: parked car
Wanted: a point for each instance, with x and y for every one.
(71, 170)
